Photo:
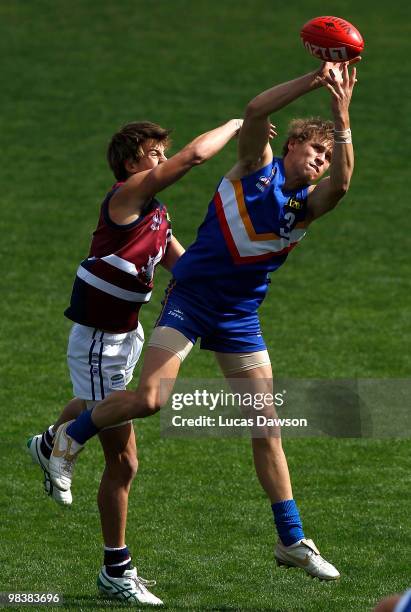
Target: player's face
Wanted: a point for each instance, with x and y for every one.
(310, 159)
(154, 155)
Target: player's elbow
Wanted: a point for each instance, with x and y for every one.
(340, 181)
(335, 198)
(339, 190)
(253, 110)
(197, 155)
(342, 190)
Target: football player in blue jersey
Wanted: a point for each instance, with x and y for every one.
(260, 211)
(133, 235)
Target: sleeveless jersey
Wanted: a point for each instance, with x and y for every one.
(117, 278)
(250, 227)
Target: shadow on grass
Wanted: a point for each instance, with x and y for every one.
(90, 602)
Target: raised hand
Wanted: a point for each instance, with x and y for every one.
(336, 67)
(337, 78)
(273, 131)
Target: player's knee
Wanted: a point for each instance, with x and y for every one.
(123, 467)
(147, 401)
(129, 465)
(153, 404)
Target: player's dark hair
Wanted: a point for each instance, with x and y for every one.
(126, 144)
(306, 129)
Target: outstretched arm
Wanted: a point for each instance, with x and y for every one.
(141, 187)
(254, 151)
(330, 190)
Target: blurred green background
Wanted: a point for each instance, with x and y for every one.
(72, 73)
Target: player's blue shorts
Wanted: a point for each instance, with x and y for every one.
(219, 331)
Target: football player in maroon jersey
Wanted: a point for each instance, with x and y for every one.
(133, 235)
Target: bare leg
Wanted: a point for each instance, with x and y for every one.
(269, 458)
(158, 375)
(272, 469)
(69, 412)
(120, 452)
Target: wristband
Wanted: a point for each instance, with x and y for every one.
(342, 136)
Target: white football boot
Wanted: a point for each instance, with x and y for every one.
(306, 555)
(64, 454)
(34, 448)
(129, 587)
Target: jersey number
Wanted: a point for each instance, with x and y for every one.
(285, 231)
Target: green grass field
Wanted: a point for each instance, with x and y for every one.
(72, 73)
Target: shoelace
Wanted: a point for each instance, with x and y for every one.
(147, 582)
(142, 584)
(322, 561)
(319, 559)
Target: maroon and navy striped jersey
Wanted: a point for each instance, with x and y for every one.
(117, 277)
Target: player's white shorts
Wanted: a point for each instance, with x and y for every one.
(102, 362)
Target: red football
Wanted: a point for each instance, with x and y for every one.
(332, 39)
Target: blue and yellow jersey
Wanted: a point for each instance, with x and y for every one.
(250, 227)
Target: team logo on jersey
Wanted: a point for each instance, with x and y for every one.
(146, 273)
(156, 221)
(293, 203)
(264, 181)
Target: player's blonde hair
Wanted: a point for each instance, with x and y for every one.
(307, 129)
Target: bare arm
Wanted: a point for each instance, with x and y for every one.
(142, 186)
(325, 196)
(254, 151)
(174, 251)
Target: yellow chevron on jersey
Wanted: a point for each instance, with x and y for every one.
(239, 196)
(242, 239)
